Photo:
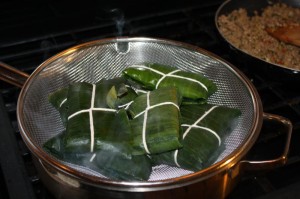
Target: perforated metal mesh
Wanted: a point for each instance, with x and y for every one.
(91, 62)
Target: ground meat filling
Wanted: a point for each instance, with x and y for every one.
(248, 33)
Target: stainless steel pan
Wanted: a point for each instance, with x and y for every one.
(270, 70)
(90, 62)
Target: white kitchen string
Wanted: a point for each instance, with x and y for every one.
(145, 112)
(196, 126)
(91, 119)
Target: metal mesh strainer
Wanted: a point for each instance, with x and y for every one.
(93, 61)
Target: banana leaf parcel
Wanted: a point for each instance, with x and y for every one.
(98, 133)
(118, 95)
(155, 121)
(114, 161)
(151, 76)
(91, 122)
(204, 128)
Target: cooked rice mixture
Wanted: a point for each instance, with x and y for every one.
(248, 33)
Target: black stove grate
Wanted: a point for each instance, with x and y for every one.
(191, 22)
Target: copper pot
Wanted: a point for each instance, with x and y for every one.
(213, 185)
(38, 121)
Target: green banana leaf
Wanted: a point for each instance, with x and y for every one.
(91, 127)
(55, 147)
(112, 162)
(110, 129)
(155, 121)
(104, 86)
(204, 128)
(117, 166)
(79, 97)
(153, 75)
(59, 98)
(120, 96)
(87, 116)
(80, 94)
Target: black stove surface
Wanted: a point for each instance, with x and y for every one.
(33, 31)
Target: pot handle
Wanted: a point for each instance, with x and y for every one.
(280, 161)
(12, 75)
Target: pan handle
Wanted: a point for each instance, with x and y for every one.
(12, 75)
(273, 163)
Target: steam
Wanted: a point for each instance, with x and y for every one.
(119, 19)
(46, 47)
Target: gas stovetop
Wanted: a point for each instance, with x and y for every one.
(34, 31)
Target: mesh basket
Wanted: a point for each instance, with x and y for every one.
(95, 60)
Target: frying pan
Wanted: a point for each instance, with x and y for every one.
(270, 70)
(38, 120)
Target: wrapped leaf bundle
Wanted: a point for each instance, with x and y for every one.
(98, 133)
(114, 162)
(204, 128)
(151, 76)
(96, 129)
(155, 124)
(86, 104)
(91, 123)
(59, 98)
(115, 135)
